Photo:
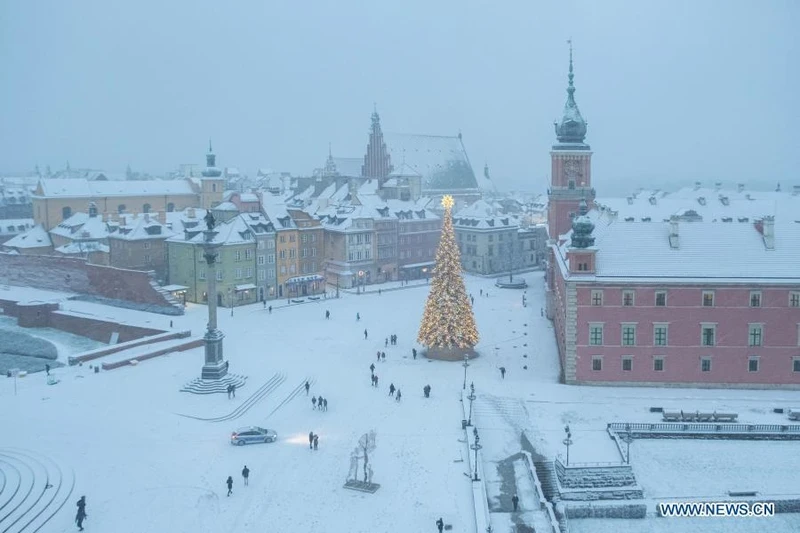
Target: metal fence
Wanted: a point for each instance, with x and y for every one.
(679, 427)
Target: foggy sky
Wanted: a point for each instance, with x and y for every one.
(673, 91)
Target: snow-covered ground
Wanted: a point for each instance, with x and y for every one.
(145, 468)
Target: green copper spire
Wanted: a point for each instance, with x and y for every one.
(572, 128)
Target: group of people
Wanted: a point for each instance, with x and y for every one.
(374, 377)
(231, 390)
(396, 395)
(381, 356)
(391, 339)
(313, 441)
(245, 477)
(319, 403)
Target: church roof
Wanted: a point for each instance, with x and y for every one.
(441, 160)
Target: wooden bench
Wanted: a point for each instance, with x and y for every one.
(725, 417)
(697, 416)
(669, 416)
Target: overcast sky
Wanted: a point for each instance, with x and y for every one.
(673, 91)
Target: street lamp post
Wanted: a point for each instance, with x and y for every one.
(476, 447)
(567, 441)
(627, 438)
(466, 365)
(471, 399)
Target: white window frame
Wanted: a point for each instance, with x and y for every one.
(657, 325)
(632, 294)
(750, 329)
(710, 364)
(627, 359)
(622, 333)
(703, 327)
(598, 358)
(796, 362)
(238, 273)
(596, 292)
(655, 299)
(593, 325)
(656, 359)
(794, 299)
(703, 298)
(260, 260)
(758, 297)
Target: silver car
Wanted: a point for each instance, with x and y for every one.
(252, 435)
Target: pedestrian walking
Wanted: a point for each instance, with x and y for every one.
(372, 369)
(246, 475)
(314, 402)
(319, 403)
(229, 391)
(481, 292)
(399, 394)
(316, 442)
(383, 356)
(325, 405)
(47, 369)
(265, 303)
(515, 502)
(81, 515)
(376, 381)
(308, 386)
(358, 317)
(365, 335)
(379, 292)
(233, 389)
(426, 390)
(440, 524)
(503, 372)
(327, 315)
(414, 352)
(229, 482)
(170, 323)
(379, 356)
(391, 389)
(269, 309)
(472, 300)
(310, 439)
(386, 343)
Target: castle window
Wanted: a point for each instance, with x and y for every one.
(755, 298)
(628, 335)
(627, 298)
(627, 363)
(596, 334)
(794, 299)
(708, 298)
(796, 364)
(597, 363)
(658, 364)
(661, 298)
(708, 334)
(597, 298)
(752, 363)
(659, 334)
(705, 364)
(755, 334)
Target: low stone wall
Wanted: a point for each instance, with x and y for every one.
(195, 343)
(594, 477)
(591, 495)
(96, 329)
(102, 352)
(632, 511)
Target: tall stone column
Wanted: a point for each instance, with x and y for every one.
(215, 367)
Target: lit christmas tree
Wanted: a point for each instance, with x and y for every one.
(448, 325)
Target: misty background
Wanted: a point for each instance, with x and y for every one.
(673, 91)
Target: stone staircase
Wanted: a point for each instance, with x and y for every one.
(547, 477)
(171, 300)
(214, 386)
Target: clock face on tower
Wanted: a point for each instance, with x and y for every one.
(572, 169)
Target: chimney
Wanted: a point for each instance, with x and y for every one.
(697, 185)
(769, 232)
(674, 239)
(740, 187)
(717, 185)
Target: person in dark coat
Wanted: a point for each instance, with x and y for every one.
(515, 502)
(358, 317)
(233, 389)
(314, 402)
(379, 356)
(372, 369)
(308, 386)
(414, 352)
(376, 381)
(246, 475)
(391, 389)
(47, 369)
(269, 309)
(503, 372)
(229, 391)
(316, 441)
(383, 356)
(440, 524)
(325, 405)
(399, 394)
(229, 482)
(81, 516)
(327, 315)
(365, 335)
(310, 439)
(386, 342)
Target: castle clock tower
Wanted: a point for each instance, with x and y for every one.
(571, 173)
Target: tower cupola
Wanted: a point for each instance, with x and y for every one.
(582, 227)
(572, 128)
(211, 171)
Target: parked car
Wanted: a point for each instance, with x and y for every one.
(252, 435)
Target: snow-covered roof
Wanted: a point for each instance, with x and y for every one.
(440, 160)
(710, 251)
(81, 226)
(248, 197)
(36, 237)
(234, 231)
(141, 227)
(15, 225)
(709, 203)
(80, 188)
(82, 247)
(225, 206)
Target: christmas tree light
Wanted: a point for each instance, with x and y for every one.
(448, 323)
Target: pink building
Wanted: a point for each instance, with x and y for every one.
(675, 301)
